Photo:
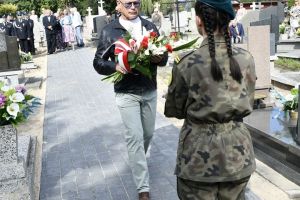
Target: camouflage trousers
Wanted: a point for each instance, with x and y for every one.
(192, 190)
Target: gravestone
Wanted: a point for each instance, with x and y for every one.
(272, 44)
(297, 135)
(258, 15)
(3, 53)
(89, 21)
(259, 47)
(273, 22)
(101, 11)
(13, 56)
(99, 22)
(9, 53)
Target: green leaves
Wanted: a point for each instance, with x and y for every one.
(185, 46)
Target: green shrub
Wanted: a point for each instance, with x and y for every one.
(288, 63)
(282, 28)
(8, 8)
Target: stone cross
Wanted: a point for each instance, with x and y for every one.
(101, 12)
(101, 3)
(89, 11)
(254, 6)
(157, 5)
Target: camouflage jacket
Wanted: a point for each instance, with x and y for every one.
(213, 145)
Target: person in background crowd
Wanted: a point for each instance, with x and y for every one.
(212, 89)
(237, 32)
(49, 23)
(59, 32)
(42, 30)
(68, 32)
(33, 16)
(108, 17)
(136, 94)
(241, 12)
(6, 25)
(3, 24)
(37, 29)
(77, 25)
(21, 27)
(156, 18)
(31, 47)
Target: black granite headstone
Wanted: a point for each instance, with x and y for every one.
(273, 22)
(99, 22)
(297, 137)
(3, 53)
(14, 61)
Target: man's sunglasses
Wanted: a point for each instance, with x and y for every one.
(128, 5)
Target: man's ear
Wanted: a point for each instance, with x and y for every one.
(198, 21)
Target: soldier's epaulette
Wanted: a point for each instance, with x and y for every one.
(179, 57)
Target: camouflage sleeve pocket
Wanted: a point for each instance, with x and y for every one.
(174, 106)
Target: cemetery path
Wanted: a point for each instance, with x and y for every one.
(84, 153)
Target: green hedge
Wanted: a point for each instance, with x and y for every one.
(8, 8)
(288, 63)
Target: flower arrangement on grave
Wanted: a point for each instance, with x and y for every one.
(298, 32)
(290, 102)
(132, 54)
(282, 27)
(25, 57)
(15, 104)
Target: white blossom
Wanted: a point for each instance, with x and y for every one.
(17, 97)
(13, 109)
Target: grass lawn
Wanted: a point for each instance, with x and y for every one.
(288, 64)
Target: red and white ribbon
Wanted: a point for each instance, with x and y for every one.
(121, 50)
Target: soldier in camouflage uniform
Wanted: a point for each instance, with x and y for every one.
(212, 88)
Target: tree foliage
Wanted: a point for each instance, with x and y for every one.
(7, 8)
(147, 7)
(82, 5)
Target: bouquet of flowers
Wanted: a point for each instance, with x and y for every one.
(133, 54)
(291, 101)
(25, 57)
(15, 104)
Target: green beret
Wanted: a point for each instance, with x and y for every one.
(222, 5)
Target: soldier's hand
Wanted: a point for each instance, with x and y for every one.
(156, 59)
(17, 39)
(28, 38)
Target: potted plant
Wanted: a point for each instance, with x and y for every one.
(291, 103)
(15, 107)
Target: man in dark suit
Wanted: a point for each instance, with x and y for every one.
(9, 25)
(31, 35)
(22, 32)
(49, 23)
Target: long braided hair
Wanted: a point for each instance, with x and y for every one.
(217, 21)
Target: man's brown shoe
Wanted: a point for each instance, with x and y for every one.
(144, 196)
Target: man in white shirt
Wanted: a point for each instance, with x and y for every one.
(77, 23)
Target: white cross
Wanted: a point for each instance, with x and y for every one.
(254, 6)
(157, 5)
(89, 11)
(101, 3)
